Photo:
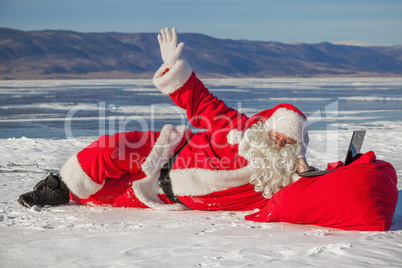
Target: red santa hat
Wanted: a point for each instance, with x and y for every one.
(284, 118)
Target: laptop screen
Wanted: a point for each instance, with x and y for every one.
(355, 146)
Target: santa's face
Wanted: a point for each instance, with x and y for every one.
(271, 157)
(280, 140)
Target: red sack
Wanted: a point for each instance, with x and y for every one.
(361, 196)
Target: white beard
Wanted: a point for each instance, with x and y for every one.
(272, 168)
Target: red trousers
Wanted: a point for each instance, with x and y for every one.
(116, 160)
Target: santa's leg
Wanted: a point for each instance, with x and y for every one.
(101, 173)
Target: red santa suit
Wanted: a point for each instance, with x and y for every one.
(209, 173)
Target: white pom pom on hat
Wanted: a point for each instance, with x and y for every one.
(234, 136)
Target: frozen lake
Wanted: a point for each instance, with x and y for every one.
(43, 122)
(47, 109)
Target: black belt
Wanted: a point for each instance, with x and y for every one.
(164, 179)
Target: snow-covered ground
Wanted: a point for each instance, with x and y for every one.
(82, 236)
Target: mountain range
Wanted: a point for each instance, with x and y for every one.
(50, 54)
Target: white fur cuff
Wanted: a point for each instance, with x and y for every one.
(174, 79)
(164, 148)
(147, 189)
(77, 181)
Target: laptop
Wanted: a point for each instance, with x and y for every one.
(354, 148)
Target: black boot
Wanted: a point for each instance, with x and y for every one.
(50, 191)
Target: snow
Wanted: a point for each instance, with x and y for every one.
(357, 43)
(83, 236)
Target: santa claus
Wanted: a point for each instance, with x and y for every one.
(236, 163)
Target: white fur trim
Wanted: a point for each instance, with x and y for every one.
(174, 79)
(288, 122)
(77, 181)
(235, 136)
(196, 182)
(164, 148)
(147, 189)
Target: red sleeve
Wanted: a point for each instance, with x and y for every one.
(203, 109)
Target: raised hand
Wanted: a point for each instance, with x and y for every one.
(170, 51)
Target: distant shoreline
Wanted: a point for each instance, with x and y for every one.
(53, 54)
(117, 76)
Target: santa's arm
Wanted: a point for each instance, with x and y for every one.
(203, 109)
(301, 161)
(177, 79)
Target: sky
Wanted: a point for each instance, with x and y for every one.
(288, 21)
